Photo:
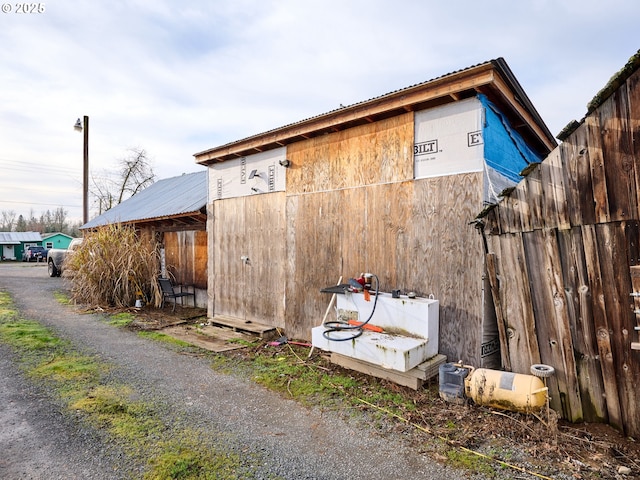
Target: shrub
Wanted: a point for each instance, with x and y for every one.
(114, 267)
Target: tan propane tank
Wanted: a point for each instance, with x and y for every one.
(508, 390)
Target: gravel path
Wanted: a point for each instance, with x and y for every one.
(38, 440)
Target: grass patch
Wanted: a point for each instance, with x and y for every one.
(184, 458)
(164, 338)
(6, 306)
(67, 367)
(243, 342)
(27, 335)
(308, 382)
(122, 319)
(139, 428)
(112, 407)
(470, 462)
(62, 298)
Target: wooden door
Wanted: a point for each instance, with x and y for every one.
(249, 258)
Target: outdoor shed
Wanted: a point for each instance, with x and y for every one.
(390, 186)
(171, 211)
(565, 255)
(13, 244)
(56, 240)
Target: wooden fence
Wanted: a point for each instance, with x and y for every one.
(562, 248)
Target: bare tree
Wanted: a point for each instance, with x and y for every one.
(58, 221)
(7, 219)
(49, 222)
(134, 174)
(101, 190)
(33, 224)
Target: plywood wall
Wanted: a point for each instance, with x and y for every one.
(353, 206)
(381, 152)
(251, 227)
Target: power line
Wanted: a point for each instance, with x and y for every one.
(36, 203)
(20, 165)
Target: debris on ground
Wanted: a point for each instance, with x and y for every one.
(542, 443)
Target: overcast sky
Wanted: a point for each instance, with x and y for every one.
(178, 77)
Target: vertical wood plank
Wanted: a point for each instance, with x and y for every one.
(617, 150)
(559, 187)
(315, 258)
(523, 195)
(494, 282)
(621, 321)
(517, 304)
(385, 239)
(552, 326)
(579, 309)
(580, 187)
(599, 309)
(549, 205)
(211, 258)
(598, 176)
(508, 214)
(200, 274)
(633, 93)
(534, 183)
(460, 265)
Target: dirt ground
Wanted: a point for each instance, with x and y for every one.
(581, 451)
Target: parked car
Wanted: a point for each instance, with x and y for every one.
(34, 254)
(56, 257)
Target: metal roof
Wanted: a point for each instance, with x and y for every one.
(504, 90)
(15, 238)
(53, 234)
(167, 198)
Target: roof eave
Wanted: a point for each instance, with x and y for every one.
(196, 219)
(448, 88)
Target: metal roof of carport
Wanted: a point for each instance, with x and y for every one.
(175, 202)
(493, 78)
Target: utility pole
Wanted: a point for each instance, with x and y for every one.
(84, 127)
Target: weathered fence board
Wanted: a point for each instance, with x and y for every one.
(552, 327)
(619, 169)
(617, 289)
(579, 308)
(599, 320)
(598, 176)
(516, 303)
(494, 282)
(580, 240)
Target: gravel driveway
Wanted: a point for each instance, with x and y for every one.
(38, 439)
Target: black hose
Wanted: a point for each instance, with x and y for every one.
(339, 326)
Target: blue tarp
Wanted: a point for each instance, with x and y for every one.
(505, 152)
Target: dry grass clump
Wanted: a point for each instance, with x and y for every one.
(113, 267)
